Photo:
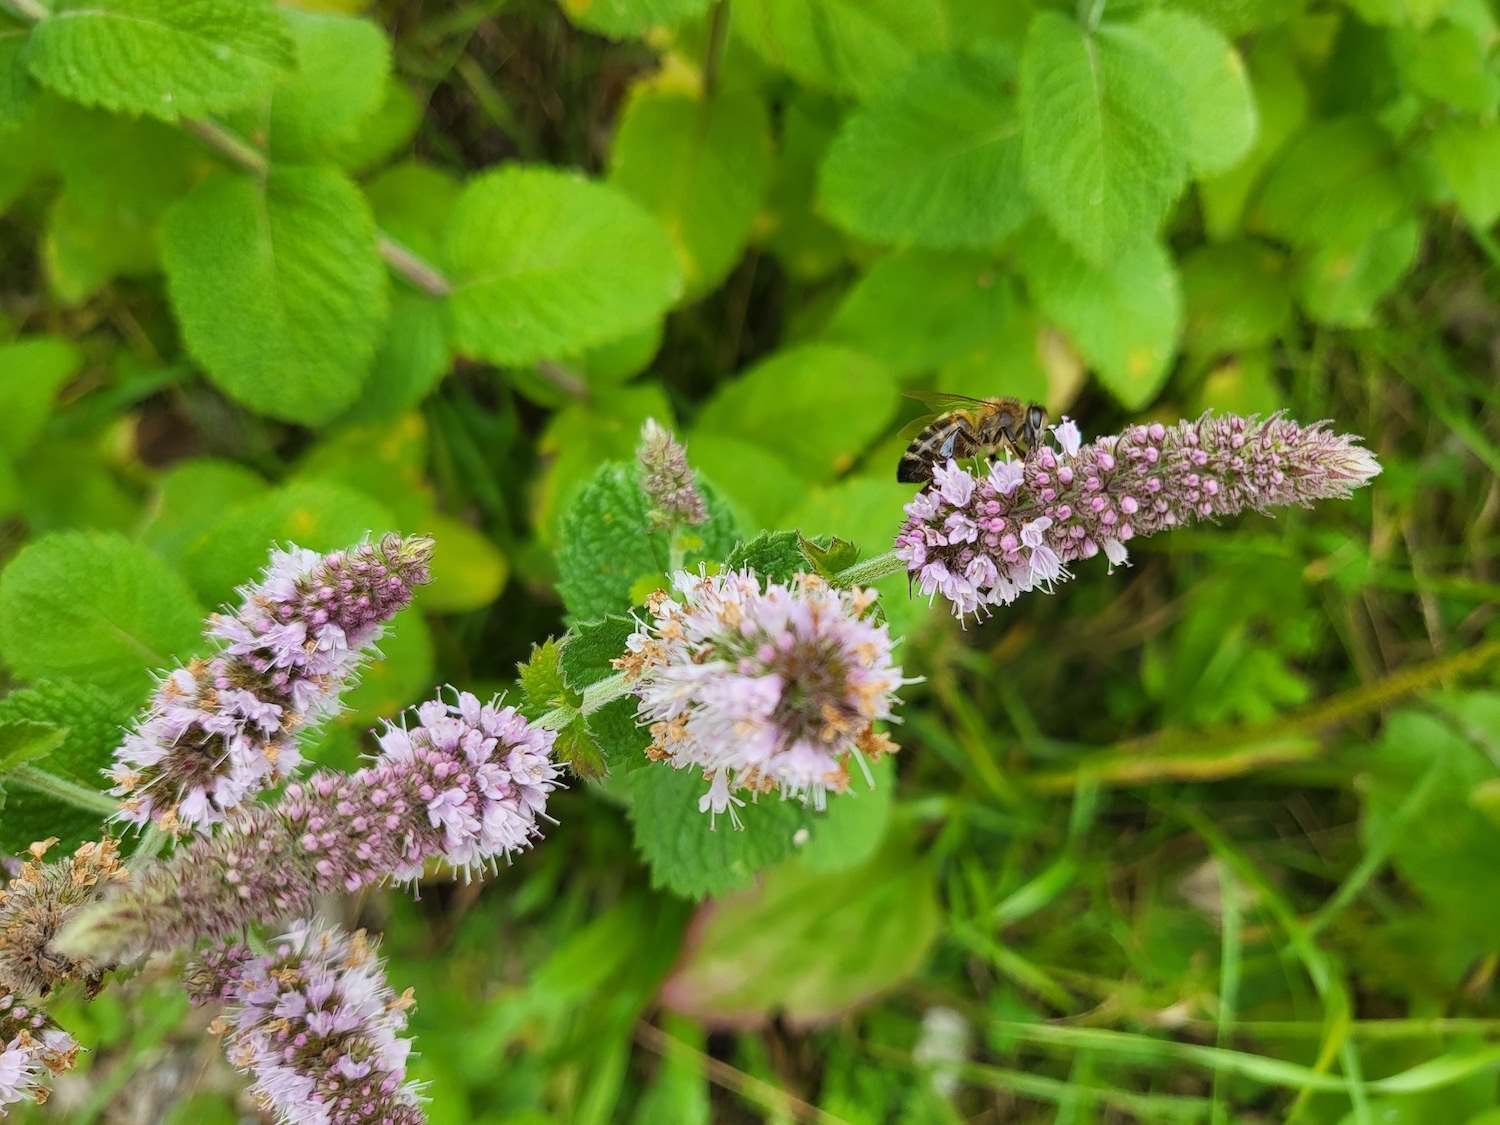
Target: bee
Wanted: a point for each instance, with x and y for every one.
(968, 427)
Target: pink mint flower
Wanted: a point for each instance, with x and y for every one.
(316, 1024)
(762, 687)
(1020, 526)
(31, 1047)
(467, 784)
(222, 729)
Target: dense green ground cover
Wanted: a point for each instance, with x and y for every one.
(1214, 838)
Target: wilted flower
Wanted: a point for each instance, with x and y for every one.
(317, 1025)
(666, 478)
(763, 688)
(221, 729)
(982, 541)
(31, 1045)
(466, 785)
(37, 903)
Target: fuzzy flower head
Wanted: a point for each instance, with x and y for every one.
(762, 687)
(316, 1024)
(31, 1047)
(982, 541)
(221, 729)
(36, 904)
(464, 783)
(666, 478)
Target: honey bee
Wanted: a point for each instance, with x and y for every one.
(968, 427)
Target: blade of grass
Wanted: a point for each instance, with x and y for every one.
(1230, 947)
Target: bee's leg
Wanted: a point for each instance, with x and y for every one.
(1034, 426)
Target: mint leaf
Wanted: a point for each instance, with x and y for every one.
(575, 748)
(608, 545)
(701, 167)
(842, 46)
(1335, 185)
(342, 68)
(588, 649)
(827, 559)
(412, 202)
(1448, 63)
(162, 58)
(409, 362)
(278, 287)
(1221, 117)
(32, 370)
(1124, 319)
(1468, 154)
(621, 739)
(917, 309)
(317, 515)
(1105, 133)
(747, 959)
(820, 405)
(1236, 296)
(541, 681)
(855, 823)
(935, 160)
(192, 496)
(689, 859)
(545, 263)
(773, 555)
(622, 19)
(22, 741)
(1340, 285)
(94, 607)
(91, 725)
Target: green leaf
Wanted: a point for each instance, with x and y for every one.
(1124, 321)
(1335, 186)
(1468, 153)
(541, 681)
(84, 252)
(827, 558)
(608, 544)
(279, 289)
(1106, 133)
(619, 736)
(773, 555)
(193, 495)
(412, 202)
(917, 309)
(575, 748)
(22, 741)
(383, 133)
(1341, 285)
(401, 676)
(94, 607)
(589, 647)
(72, 484)
(545, 263)
(162, 58)
(701, 168)
(1236, 297)
(936, 160)
(818, 404)
(1448, 63)
(90, 725)
(317, 515)
(842, 46)
(410, 361)
(32, 369)
(755, 481)
(17, 91)
(807, 945)
(688, 858)
(625, 19)
(805, 244)
(1221, 118)
(343, 65)
(855, 823)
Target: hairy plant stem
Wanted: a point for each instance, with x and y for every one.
(595, 696)
(420, 273)
(228, 143)
(28, 10)
(871, 570)
(79, 796)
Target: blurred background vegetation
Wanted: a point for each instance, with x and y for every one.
(1213, 839)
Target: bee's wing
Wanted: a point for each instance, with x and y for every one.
(916, 426)
(943, 400)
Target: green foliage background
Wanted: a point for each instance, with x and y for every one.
(1215, 839)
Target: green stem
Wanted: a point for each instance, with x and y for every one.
(424, 275)
(871, 570)
(228, 143)
(77, 795)
(28, 10)
(718, 33)
(153, 842)
(595, 696)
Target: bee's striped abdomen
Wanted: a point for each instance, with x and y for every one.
(952, 435)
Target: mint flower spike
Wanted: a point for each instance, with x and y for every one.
(667, 480)
(467, 784)
(762, 688)
(981, 541)
(31, 1047)
(222, 729)
(317, 1025)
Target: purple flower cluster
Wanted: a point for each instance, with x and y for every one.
(983, 540)
(762, 688)
(317, 1025)
(221, 729)
(466, 785)
(667, 480)
(31, 1046)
